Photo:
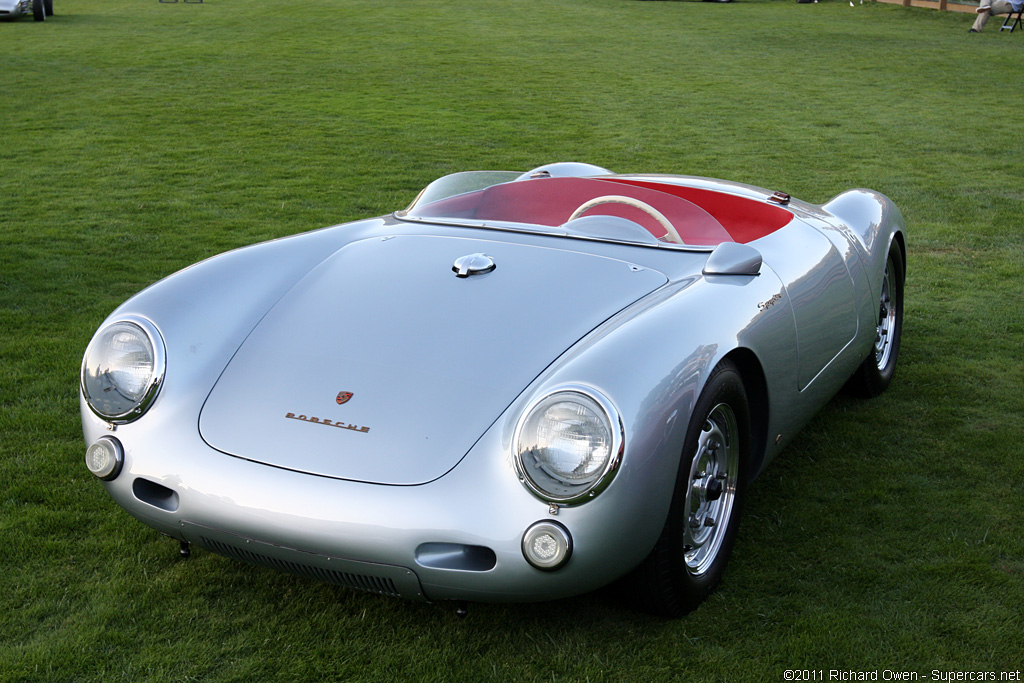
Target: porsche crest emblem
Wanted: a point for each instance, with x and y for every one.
(343, 397)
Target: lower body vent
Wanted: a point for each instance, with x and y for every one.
(383, 579)
(373, 584)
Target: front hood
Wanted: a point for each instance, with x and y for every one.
(383, 366)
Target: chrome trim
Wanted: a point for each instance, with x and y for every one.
(473, 264)
(155, 382)
(118, 452)
(614, 460)
(887, 313)
(711, 492)
(555, 529)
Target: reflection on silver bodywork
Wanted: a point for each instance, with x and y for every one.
(820, 293)
(431, 358)
(426, 502)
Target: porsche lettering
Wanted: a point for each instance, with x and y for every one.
(328, 423)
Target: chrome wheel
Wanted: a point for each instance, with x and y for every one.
(690, 557)
(712, 489)
(885, 333)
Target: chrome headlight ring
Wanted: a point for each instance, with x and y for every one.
(568, 444)
(123, 369)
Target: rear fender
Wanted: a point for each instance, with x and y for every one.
(875, 221)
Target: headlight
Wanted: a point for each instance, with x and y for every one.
(568, 446)
(123, 369)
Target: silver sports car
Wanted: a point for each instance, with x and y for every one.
(12, 9)
(522, 387)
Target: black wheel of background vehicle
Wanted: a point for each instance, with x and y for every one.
(876, 372)
(38, 10)
(691, 555)
(48, 6)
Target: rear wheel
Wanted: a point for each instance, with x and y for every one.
(48, 6)
(691, 555)
(876, 372)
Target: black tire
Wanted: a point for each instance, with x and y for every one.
(48, 6)
(876, 372)
(690, 557)
(38, 10)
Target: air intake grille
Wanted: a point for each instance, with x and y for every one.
(373, 584)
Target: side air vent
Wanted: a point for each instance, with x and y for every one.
(155, 494)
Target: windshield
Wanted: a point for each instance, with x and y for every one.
(629, 212)
(460, 183)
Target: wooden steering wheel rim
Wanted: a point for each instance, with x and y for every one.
(672, 234)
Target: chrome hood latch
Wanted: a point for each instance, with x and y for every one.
(473, 264)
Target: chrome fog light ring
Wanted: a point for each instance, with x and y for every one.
(547, 545)
(105, 457)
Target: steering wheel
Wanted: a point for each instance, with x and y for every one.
(673, 234)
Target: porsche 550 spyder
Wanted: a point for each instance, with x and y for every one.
(524, 386)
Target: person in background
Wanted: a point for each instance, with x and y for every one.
(987, 8)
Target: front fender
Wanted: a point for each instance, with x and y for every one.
(652, 360)
(206, 311)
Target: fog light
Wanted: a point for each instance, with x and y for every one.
(105, 457)
(547, 545)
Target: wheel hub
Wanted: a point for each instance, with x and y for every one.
(713, 489)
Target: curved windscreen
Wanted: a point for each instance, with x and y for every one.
(507, 198)
(460, 183)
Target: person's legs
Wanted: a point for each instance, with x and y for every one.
(986, 8)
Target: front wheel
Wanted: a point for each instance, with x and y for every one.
(691, 555)
(38, 10)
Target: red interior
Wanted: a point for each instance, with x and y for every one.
(744, 219)
(701, 217)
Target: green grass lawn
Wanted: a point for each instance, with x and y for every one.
(138, 137)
